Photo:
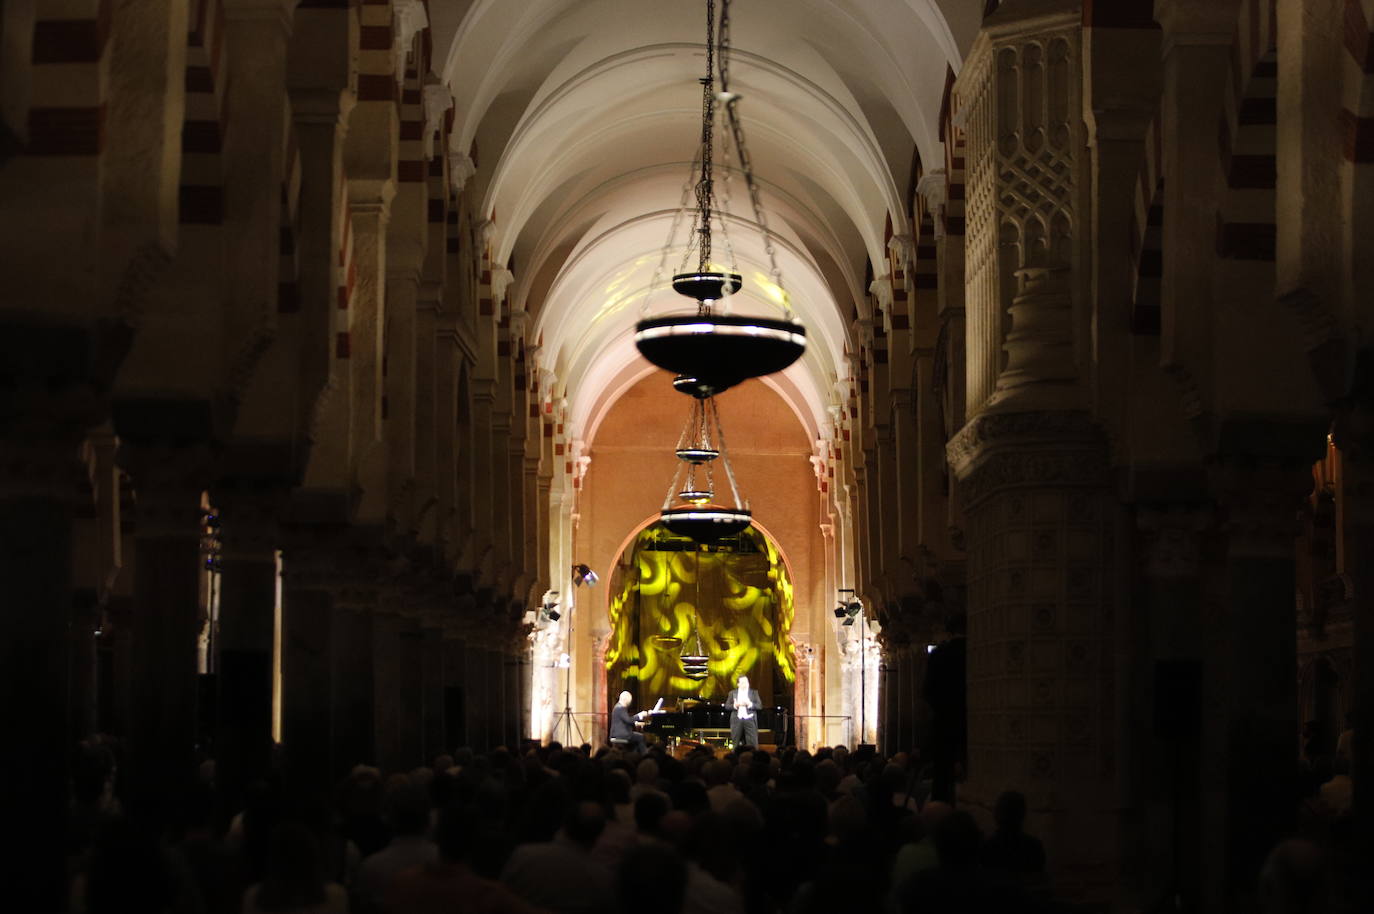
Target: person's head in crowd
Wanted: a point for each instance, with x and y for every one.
(828, 776)
(454, 833)
(689, 797)
(293, 870)
(407, 809)
(712, 843)
(617, 783)
(651, 876)
(674, 828)
(646, 773)
(127, 872)
(848, 820)
(1010, 812)
(958, 841)
(650, 809)
(1340, 765)
(584, 823)
(717, 772)
(1295, 879)
(462, 757)
(442, 763)
(544, 811)
(933, 813)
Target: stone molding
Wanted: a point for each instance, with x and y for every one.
(1173, 540)
(1051, 448)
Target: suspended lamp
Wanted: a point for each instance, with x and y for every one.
(718, 351)
(690, 507)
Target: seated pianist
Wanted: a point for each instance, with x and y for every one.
(623, 724)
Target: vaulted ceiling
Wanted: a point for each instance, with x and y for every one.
(583, 117)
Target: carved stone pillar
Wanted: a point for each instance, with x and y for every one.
(309, 576)
(354, 698)
(455, 696)
(1252, 674)
(1162, 733)
(1021, 87)
(388, 628)
(37, 485)
(1040, 671)
(1354, 435)
(434, 740)
(247, 636)
(169, 606)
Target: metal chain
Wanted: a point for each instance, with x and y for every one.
(705, 190)
(742, 152)
(725, 454)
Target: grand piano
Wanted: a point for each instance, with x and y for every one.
(707, 723)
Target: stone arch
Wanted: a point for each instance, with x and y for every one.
(750, 627)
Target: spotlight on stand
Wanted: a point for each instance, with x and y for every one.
(550, 608)
(583, 574)
(849, 607)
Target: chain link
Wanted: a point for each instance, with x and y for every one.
(742, 152)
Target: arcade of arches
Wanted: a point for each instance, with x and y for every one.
(317, 378)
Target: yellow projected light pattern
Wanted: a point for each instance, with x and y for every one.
(742, 597)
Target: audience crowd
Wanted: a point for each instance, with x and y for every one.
(560, 829)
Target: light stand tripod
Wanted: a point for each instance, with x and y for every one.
(566, 718)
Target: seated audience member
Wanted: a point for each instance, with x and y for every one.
(408, 816)
(651, 878)
(562, 874)
(449, 884)
(1295, 879)
(1010, 849)
(959, 883)
(292, 884)
(1338, 792)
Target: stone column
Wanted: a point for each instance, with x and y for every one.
(168, 607)
(434, 739)
(354, 692)
(1041, 549)
(412, 696)
(455, 693)
(1354, 435)
(37, 484)
(247, 636)
(309, 575)
(1252, 674)
(387, 679)
(1163, 731)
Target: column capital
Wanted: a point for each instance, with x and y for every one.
(1173, 539)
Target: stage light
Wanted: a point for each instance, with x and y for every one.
(839, 612)
(930, 648)
(583, 574)
(849, 621)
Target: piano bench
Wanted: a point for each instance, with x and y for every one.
(617, 743)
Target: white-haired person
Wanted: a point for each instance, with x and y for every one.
(623, 724)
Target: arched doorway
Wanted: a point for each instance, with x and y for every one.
(731, 601)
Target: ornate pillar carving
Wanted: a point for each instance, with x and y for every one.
(1040, 667)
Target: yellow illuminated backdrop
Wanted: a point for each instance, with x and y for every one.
(736, 595)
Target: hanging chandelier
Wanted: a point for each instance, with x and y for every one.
(711, 351)
(690, 507)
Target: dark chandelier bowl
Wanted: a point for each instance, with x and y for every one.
(718, 351)
(707, 285)
(706, 523)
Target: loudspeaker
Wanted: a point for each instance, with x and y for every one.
(1178, 699)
